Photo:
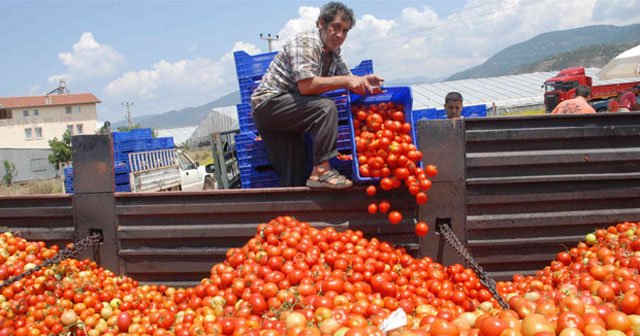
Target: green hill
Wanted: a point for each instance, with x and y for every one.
(590, 56)
(190, 116)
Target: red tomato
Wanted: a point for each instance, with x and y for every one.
(373, 208)
(124, 321)
(384, 206)
(371, 190)
(431, 170)
(395, 217)
(421, 198)
(422, 229)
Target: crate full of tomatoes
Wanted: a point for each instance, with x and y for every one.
(383, 136)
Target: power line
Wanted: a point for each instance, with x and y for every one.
(128, 105)
(269, 40)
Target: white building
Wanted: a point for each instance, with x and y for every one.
(30, 122)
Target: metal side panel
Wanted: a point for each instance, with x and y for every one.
(179, 236)
(156, 180)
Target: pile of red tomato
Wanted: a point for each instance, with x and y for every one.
(294, 279)
(385, 150)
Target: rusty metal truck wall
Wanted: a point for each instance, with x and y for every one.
(533, 186)
(176, 237)
(48, 218)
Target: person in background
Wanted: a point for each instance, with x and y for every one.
(629, 99)
(613, 105)
(577, 105)
(287, 103)
(453, 105)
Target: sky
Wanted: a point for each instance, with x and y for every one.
(168, 55)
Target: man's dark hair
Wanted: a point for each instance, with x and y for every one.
(583, 91)
(453, 96)
(330, 10)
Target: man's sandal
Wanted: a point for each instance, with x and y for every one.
(324, 181)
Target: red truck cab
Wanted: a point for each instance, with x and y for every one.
(563, 86)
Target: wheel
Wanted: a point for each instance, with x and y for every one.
(209, 183)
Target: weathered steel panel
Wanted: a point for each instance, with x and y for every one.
(48, 218)
(179, 236)
(536, 185)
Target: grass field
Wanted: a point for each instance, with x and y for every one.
(202, 155)
(523, 113)
(36, 187)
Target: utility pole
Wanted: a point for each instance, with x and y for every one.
(128, 105)
(269, 40)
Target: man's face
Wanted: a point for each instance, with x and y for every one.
(453, 108)
(334, 33)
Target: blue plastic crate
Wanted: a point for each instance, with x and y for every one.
(138, 133)
(259, 177)
(123, 188)
(250, 150)
(399, 94)
(270, 183)
(252, 67)
(253, 158)
(245, 118)
(247, 86)
(120, 168)
(121, 179)
(160, 143)
(474, 111)
(247, 125)
(344, 167)
(247, 141)
(244, 111)
(364, 68)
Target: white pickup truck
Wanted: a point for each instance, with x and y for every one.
(168, 169)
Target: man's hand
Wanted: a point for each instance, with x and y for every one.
(364, 84)
(375, 82)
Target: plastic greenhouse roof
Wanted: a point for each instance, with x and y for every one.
(180, 135)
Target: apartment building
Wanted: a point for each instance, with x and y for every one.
(30, 122)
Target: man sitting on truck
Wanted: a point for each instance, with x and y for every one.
(577, 105)
(287, 103)
(628, 99)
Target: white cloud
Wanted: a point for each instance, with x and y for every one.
(306, 20)
(617, 12)
(88, 60)
(177, 85)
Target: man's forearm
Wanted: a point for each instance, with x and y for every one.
(318, 85)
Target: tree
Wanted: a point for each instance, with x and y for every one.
(9, 172)
(60, 150)
(127, 128)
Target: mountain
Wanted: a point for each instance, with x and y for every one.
(595, 56)
(189, 116)
(411, 81)
(548, 44)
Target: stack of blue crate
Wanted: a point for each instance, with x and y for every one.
(255, 169)
(135, 140)
(121, 178)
